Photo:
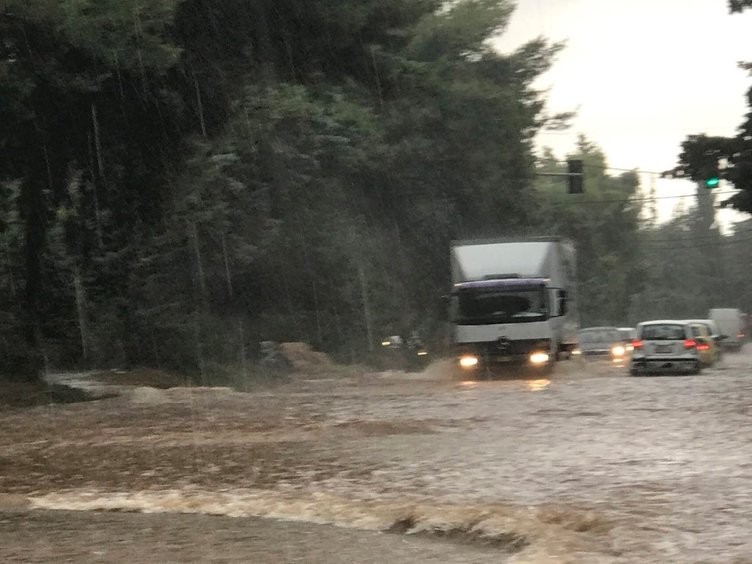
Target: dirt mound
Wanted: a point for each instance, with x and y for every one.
(30, 394)
(144, 395)
(304, 359)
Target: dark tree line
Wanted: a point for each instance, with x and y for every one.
(181, 179)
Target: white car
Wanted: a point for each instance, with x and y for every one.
(664, 346)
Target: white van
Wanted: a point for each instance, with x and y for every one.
(730, 323)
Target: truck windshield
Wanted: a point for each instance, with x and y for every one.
(495, 305)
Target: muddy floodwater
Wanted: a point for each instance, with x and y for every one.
(587, 465)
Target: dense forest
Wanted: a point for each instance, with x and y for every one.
(182, 179)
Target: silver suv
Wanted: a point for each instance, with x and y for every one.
(664, 346)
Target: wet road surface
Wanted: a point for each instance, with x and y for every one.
(589, 465)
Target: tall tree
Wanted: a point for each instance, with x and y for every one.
(190, 177)
(83, 88)
(729, 158)
(603, 223)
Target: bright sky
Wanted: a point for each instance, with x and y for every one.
(641, 75)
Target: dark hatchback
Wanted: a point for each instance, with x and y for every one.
(604, 343)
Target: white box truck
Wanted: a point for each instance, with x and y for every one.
(513, 301)
(731, 324)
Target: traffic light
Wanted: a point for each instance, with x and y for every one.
(711, 175)
(575, 176)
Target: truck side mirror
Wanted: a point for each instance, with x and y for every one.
(451, 306)
(562, 302)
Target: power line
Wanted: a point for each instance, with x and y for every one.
(696, 246)
(662, 251)
(635, 170)
(691, 237)
(630, 200)
(596, 167)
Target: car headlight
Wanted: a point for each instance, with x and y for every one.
(618, 350)
(468, 361)
(538, 358)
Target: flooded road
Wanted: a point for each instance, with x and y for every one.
(589, 465)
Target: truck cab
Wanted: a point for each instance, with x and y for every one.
(512, 303)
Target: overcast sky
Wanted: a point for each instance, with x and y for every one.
(641, 75)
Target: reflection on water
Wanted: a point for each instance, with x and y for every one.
(538, 385)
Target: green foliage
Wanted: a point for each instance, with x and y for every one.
(690, 267)
(189, 178)
(459, 30)
(739, 5)
(603, 223)
(701, 154)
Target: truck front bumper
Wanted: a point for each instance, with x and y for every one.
(522, 353)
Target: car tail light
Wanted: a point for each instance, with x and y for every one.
(703, 346)
(637, 344)
(690, 344)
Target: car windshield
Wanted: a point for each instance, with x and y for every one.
(502, 305)
(663, 332)
(592, 336)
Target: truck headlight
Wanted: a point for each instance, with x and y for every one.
(468, 361)
(538, 358)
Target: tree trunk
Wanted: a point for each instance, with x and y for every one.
(199, 262)
(83, 325)
(243, 354)
(32, 202)
(366, 306)
(11, 280)
(198, 343)
(200, 105)
(99, 173)
(228, 276)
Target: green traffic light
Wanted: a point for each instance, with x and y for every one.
(712, 182)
